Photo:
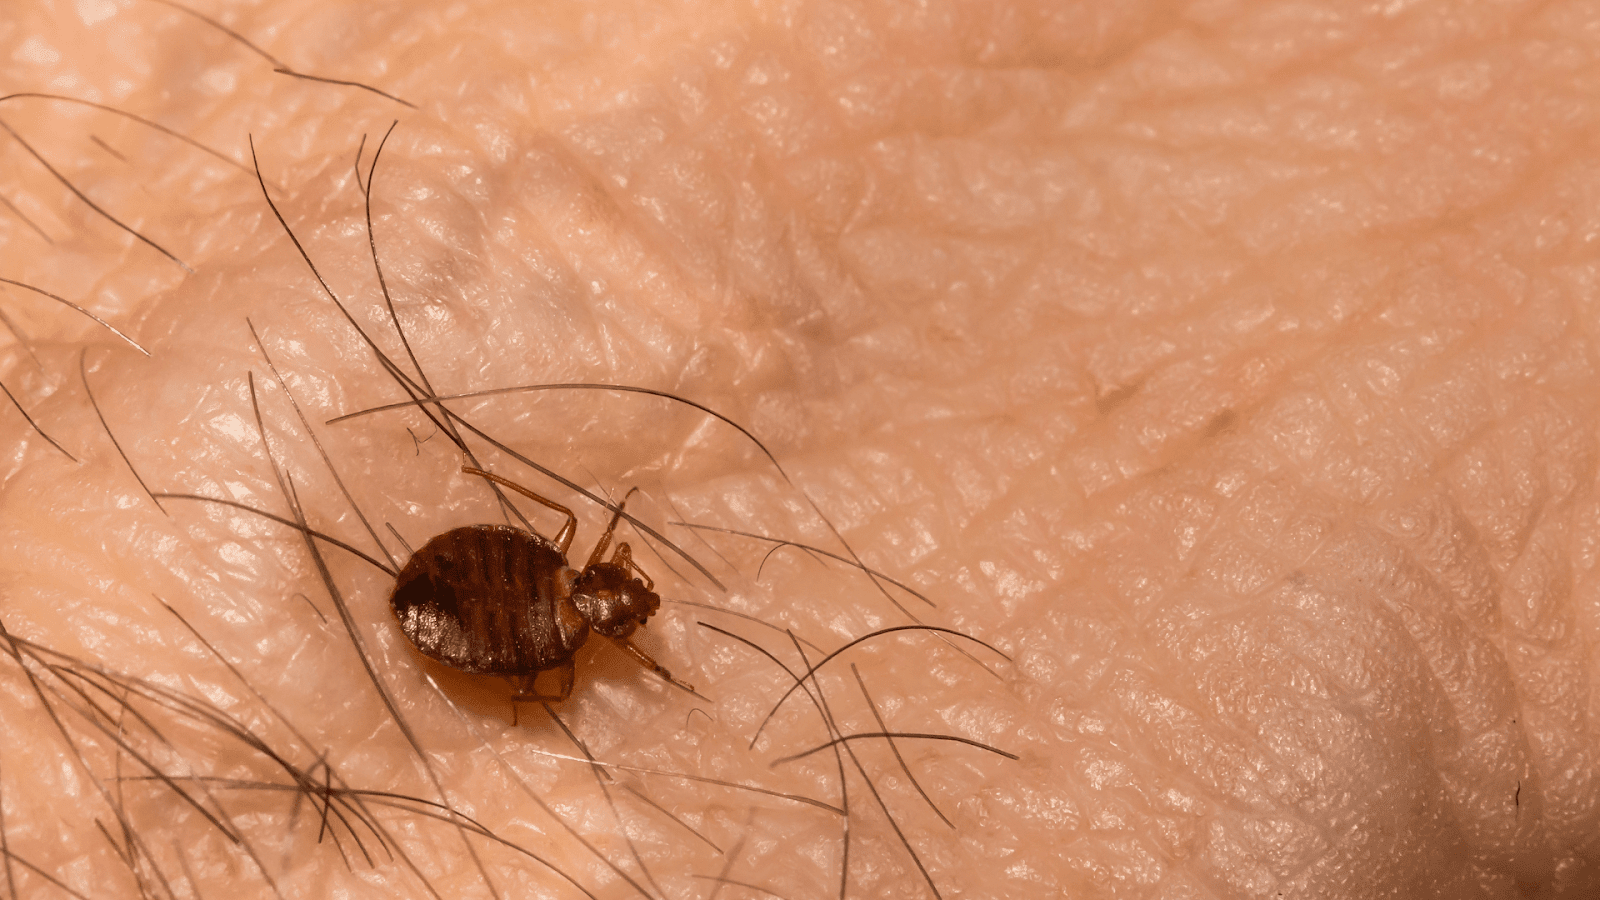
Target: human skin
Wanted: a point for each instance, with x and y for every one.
(1226, 366)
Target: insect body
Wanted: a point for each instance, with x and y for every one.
(496, 600)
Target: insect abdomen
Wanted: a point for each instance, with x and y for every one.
(489, 599)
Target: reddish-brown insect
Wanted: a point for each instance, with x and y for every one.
(497, 600)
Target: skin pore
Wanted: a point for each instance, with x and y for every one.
(1227, 366)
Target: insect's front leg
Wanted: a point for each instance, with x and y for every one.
(645, 660)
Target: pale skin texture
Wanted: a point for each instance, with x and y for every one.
(1229, 366)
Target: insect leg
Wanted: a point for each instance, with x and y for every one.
(567, 675)
(605, 539)
(526, 689)
(645, 660)
(564, 536)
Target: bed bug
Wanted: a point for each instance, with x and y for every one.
(498, 600)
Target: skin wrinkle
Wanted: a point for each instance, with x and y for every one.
(1229, 366)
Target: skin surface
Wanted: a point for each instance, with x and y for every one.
(1228, 366)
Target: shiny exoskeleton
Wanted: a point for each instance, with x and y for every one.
(496, 600)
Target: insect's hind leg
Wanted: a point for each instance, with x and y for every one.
(526, 690)
(564, 536)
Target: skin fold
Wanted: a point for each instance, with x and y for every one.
(1221, 374)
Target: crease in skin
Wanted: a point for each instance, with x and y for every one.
(1229, 367)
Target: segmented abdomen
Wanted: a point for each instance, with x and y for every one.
(489, 599)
